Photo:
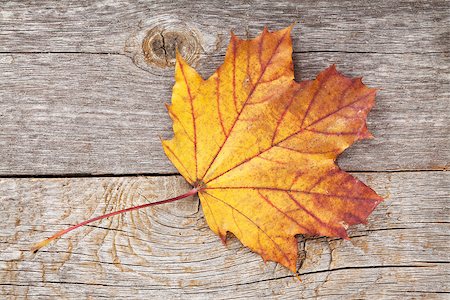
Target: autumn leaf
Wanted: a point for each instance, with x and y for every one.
(260, 148)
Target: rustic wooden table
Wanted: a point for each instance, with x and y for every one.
(82, 92)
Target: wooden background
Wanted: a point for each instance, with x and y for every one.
(82, 92)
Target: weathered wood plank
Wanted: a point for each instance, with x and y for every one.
(80, 111)
(78, 96)
(169, 252)
(104, 26)
(98, 114)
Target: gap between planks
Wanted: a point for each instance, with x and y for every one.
(223, 55)
(88, 175)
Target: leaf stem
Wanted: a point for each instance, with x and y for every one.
(36, 247)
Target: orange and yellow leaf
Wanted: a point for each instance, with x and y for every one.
(261, 147)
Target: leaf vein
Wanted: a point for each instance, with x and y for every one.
(243, 106)
(255, 224)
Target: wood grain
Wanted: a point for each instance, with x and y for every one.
(82, 92)
(77, 96)
(96, 114)
(169, 251)
(348, 26)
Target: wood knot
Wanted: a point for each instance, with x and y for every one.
(153, 47)
(159, 47)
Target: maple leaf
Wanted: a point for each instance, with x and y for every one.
(260, 148)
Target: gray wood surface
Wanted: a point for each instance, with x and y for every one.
(73, 101)
(169, 251)
(82, 92)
